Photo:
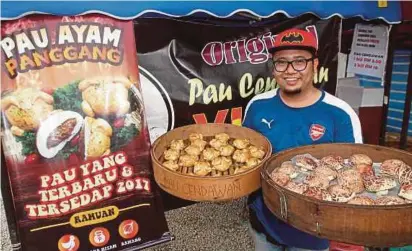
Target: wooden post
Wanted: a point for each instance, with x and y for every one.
(387, 86)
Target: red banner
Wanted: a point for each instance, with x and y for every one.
(76, 140)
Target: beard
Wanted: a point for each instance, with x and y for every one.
(292, 92)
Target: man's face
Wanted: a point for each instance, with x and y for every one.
(290, 80)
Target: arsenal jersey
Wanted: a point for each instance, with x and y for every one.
(329, 120)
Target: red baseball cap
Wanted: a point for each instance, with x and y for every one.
(295, 39)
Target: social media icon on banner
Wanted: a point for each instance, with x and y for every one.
(128, 229)
(99, 236)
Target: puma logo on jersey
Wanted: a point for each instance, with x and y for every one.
(268, 123)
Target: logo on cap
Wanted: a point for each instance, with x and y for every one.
(296, 38)
(292, 38)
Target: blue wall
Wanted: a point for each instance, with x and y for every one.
(398, 92)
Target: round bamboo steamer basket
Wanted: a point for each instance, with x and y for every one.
(372, 226)
(208, 188)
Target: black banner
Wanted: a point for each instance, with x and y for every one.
(196, 72)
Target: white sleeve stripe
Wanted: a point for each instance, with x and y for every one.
(356, 125)
(265, 95)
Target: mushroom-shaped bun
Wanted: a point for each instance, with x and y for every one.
(241, 143)
(199, 143)
(226, 150)
(210, 154)
(177, 144)
(171, 154)
(194, 136)
(222, 136)
(241, 156)
(221, 163)
(202, 168)
(193, 150)
(358, 159)
(217, 143)
(251, 162)
(256, 152)
(171, 164)
(187, 160)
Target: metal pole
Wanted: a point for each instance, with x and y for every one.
(9, 212)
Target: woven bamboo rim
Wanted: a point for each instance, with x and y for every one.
(245, 182)
(376, 226)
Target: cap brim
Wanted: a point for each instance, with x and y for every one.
(293, 47)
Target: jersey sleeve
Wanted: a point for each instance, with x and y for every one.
(249, 115)
(348, 129)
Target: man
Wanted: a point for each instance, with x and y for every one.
(293, 115)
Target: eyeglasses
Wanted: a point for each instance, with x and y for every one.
(297, 64)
